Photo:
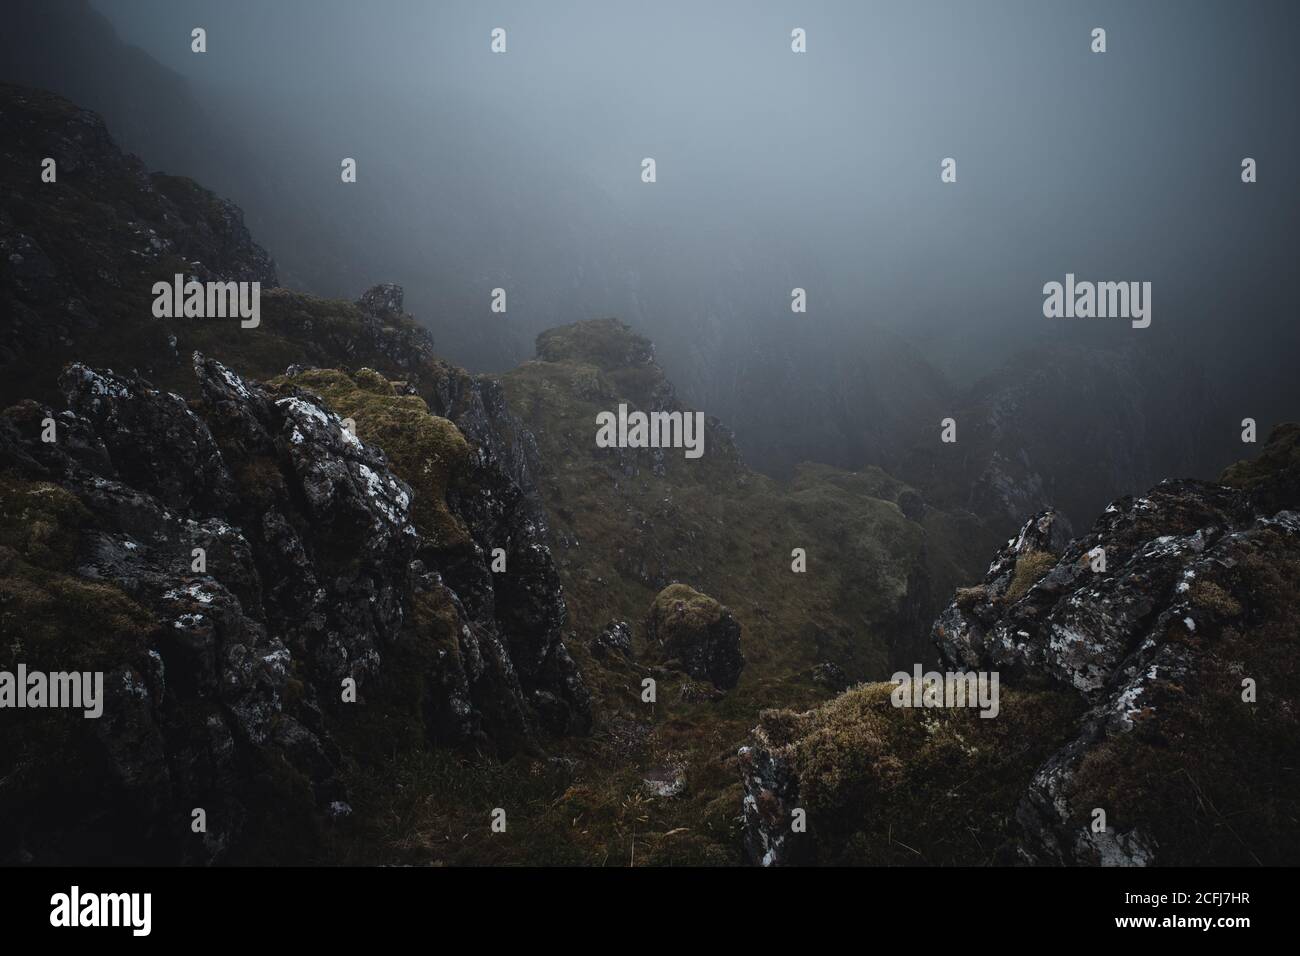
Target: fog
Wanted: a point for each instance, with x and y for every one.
(775, 170)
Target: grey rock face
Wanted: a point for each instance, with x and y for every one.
(1147, 621)
(1111, 620)
(499, 503)
(615, 639)
(1075, 624)
(270, 590)
(771, 796)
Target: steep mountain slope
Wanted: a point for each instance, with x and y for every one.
(320, 564)
(451, 186)
(177, 433)
(877, 557)
(1068, 428)
(70, 48)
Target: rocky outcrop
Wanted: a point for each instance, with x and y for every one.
(282, 593)
(326, 558)
(1131, 616)
(498, 499)
(699, 633)
(771, 789)
(1169, 631)
(614, 641)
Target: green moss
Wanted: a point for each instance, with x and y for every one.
(1211, 597)
(51, 620)
(69, 623)
(1031, 567)
(1281, 452)
(1274, 475)
(424, 450)
(687, 607)
(39, 521)
(604, 343)
(887, 785)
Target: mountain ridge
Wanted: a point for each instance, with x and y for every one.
(501, 589)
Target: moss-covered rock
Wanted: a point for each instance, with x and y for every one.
(51, 620)
(426, 451)
(690, 627)
(883, 785)
(603, 343)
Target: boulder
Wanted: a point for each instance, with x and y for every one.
(694, 629)
(614, 640)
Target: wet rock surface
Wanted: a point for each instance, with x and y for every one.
(1160, 621)
(614, 640)
(275, 567)
(771, 790)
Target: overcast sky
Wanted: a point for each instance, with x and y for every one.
(775, 169)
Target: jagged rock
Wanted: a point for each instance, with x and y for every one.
(1143, 674)
(153, 440)
(499, 503)
(229, 646)
(468, 503)
(771, 795)
(266, 554)
(1130, 685)
(615, 639)
(1043, 609)
(1132, 638)
(698, 631)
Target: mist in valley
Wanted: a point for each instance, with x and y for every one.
(775, 171)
